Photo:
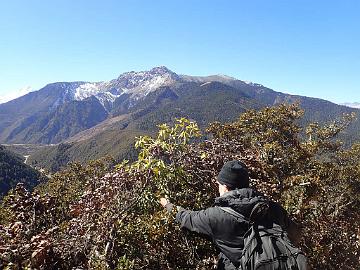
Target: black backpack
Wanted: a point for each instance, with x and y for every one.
(266, 247)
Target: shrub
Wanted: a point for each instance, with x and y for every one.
(104, 217)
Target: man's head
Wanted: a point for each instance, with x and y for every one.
(233, 175)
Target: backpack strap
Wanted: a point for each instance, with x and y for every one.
(258, 213)
(232, 212)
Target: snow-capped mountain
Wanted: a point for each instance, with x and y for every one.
(62, 109)
(136, 84)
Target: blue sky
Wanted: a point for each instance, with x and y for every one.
(309, 48)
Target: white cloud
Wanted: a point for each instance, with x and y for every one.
(15, 94)
(352, 104)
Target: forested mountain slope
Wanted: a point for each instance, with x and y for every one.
(13, 171)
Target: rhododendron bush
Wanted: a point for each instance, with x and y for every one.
(106, 216)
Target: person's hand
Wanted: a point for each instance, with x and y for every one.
(164, 201)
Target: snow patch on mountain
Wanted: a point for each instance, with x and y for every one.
(206, 83)
(146, 85)
(252, 83)
(104, 97)
(68, 92)
(86, 90)
(144, 82)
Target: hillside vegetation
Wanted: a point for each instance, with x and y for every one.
(102, 216)
(13, 171)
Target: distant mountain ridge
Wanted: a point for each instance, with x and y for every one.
(92, 115)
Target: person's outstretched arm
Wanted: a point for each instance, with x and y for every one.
(195, 221)
(292, 228)
(294, 232)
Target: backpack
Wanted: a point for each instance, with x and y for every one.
(266, 247)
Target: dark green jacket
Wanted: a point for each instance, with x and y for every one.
(226, 230)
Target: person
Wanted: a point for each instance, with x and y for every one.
(225, 230)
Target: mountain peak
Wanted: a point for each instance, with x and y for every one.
(155, 71)
(161, 70)
(141, 83)
(225, 77)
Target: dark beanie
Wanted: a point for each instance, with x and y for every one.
(234, 175)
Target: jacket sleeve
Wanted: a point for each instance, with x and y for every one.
(292, 228)
(294, 231)
(195, 221)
